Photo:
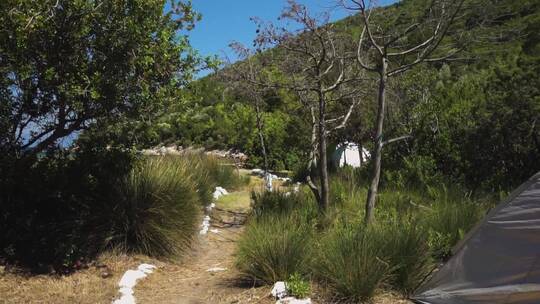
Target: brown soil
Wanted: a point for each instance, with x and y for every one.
(192, 283)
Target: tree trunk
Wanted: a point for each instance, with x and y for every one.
(261, 136)
(377, 157)
(323, 158)
(312, 157)
(361, 154)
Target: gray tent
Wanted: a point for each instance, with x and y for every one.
(498, 261)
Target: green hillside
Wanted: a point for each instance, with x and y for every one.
(473, 119)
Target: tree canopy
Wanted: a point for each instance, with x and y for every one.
(66, 65)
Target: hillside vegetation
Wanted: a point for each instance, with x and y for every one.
(444, 94)
(473, 119)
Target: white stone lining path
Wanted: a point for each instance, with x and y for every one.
(129, 280)
(206, 220)
(130, 277)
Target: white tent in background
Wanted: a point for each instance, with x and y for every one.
(347, 153)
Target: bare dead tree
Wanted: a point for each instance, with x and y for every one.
(313, 60)
(390, 52)
(249, 81)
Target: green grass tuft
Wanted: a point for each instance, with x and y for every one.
(273, 248)
(351, 261)
(159, 210)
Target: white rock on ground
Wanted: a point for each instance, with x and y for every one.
(257, 171)
(129, 279)
(146, 268)
(219, 192)
(279, 290)
(210, 207)
(216, 269)
(206, 220)
(205, 225)
(128, 282)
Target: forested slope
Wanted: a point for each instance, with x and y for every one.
(473, 119)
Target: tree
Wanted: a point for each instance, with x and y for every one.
(250, 81)
(65, 65)
(395, 50)
(314, 58)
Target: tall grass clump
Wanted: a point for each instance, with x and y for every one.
(283, 203)
(158, 212)
(448, 222)
(414, 229)
(355, 260)
(224, 174)
(406, 248)
(351, 261)
(274, 247)
(208, 172)
(200, 167)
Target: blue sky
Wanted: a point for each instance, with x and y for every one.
(225, 21)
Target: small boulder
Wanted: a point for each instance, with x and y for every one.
(279, 290)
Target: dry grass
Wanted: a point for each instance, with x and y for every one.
(86, 286)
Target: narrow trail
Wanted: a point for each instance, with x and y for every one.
(190, 282)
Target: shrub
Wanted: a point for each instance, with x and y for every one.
(273, 248)
(448, 222)
(300, 172)
(398, 251)
(209, 172)
(158, 211)
(297, 286)
(418, 172)
(55, 210)
(280, 203)
(200, 170)
(351, 261)
(407, 250)
(224, 174)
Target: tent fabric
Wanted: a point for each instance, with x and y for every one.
(498, 261)
(348, 154)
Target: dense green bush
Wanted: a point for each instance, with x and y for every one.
(55, 210)
(67, 207)
(200, 168)
(355, 260)
(274, 247)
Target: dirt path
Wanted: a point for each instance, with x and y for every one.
(191, 283)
